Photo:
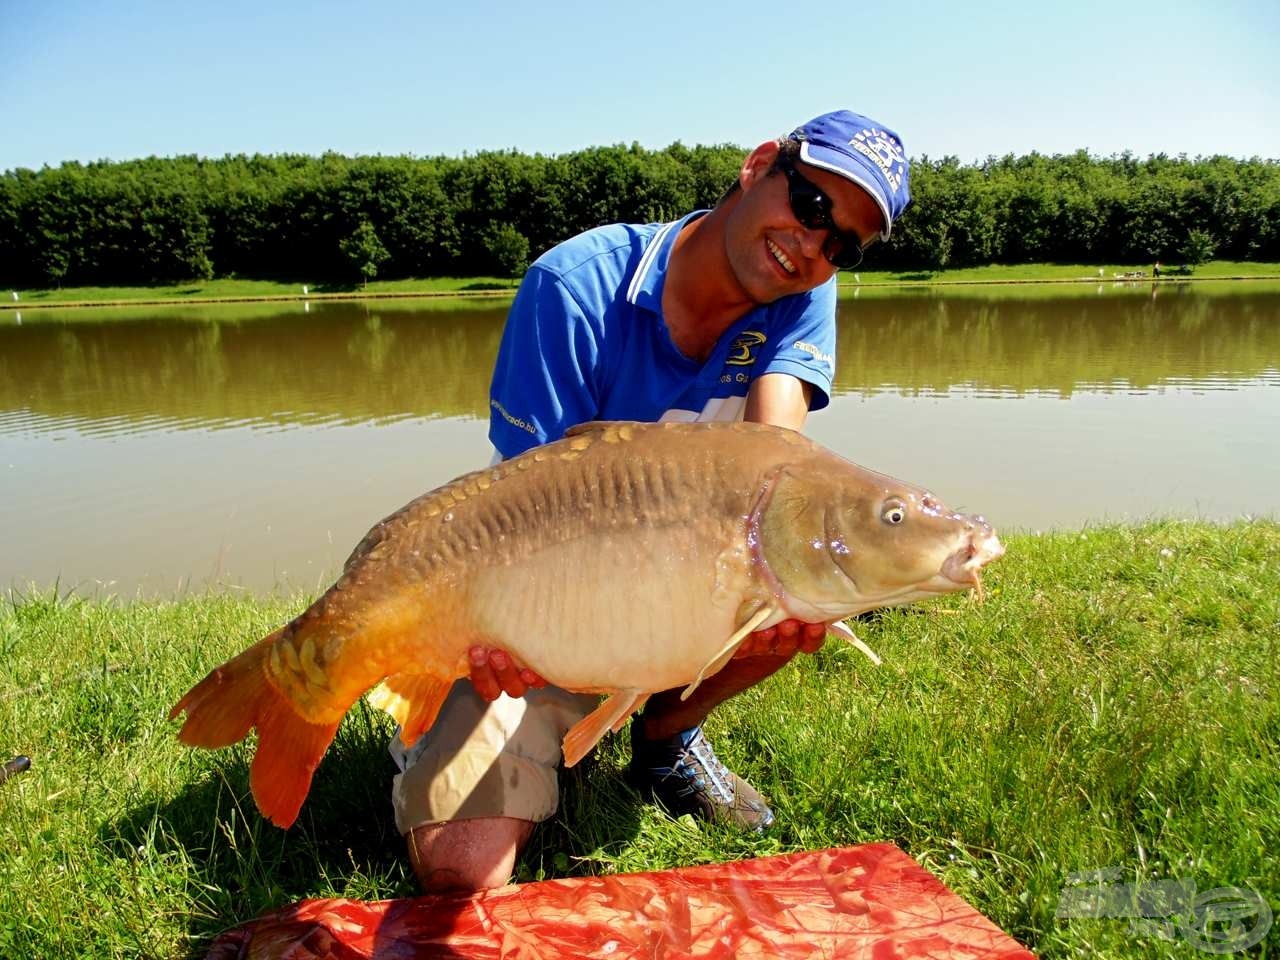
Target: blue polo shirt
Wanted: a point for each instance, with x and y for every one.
(585, 340)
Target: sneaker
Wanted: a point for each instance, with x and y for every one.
(684, 774)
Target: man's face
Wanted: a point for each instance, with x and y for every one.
(771, 253)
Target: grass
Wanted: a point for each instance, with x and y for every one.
(1114, 702)
(1061, 272)
(232, 289)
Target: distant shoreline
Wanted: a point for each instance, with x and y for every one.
(232, 291)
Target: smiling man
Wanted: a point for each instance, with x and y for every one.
(725, 314)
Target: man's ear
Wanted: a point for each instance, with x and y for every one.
(759, 162)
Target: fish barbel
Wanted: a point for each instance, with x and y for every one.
(624, 559)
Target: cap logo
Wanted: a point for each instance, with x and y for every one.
(884, 150)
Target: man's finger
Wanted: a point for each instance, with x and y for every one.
(813, 636)
(532, 679)
(758, 644)
(482, 676)
(508, 674)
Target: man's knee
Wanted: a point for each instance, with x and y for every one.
(467, 855)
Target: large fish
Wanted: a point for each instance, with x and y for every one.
(624, 559)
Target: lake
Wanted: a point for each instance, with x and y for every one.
(162, 450)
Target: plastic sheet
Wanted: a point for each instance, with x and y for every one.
(871, 901)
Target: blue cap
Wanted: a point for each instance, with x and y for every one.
(859, 149)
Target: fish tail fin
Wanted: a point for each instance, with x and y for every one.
(237, 696)
(222, 708)
(413, 699)
(289, 750)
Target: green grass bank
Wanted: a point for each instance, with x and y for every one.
(239, 291)
(1115, 702)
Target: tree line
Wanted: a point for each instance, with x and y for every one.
(336, 219)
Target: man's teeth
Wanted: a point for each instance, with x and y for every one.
(781, 257)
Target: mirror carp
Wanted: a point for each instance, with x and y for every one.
(623, 559)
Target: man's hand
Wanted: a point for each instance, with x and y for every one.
(494, 673)
(783, 640)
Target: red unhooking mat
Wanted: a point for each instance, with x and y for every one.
(871, 901)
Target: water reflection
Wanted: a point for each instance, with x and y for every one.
(340, 364)
(256, 444)
(1013, 346)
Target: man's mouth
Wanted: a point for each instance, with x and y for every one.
(781, 257)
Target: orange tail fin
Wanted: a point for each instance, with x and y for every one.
(237, 696)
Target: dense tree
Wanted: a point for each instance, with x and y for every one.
(332, 217)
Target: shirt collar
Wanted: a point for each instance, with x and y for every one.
(645, 289)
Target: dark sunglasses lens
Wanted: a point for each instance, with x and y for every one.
(842, 251)
(811, 207)
(808, 203)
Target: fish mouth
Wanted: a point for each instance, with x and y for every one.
(965, 565)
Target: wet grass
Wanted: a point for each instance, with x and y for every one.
(1114, 703)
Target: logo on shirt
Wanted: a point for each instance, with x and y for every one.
(814, 352)
(514, 421)
(743, 351)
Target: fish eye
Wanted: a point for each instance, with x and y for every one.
(894, 512)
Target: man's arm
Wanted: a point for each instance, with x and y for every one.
(544, 378)
(780, 399)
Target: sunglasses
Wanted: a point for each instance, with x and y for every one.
(842, 248)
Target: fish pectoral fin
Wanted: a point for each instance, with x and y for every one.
(610, 715)
(724, 653)
(413, 699)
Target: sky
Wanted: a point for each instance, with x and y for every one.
(134, 78)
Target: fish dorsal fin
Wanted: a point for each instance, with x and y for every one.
(612, 431)
(592, 426)
(724, 653)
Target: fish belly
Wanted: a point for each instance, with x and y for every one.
(641, 608)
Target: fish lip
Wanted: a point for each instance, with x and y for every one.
(964, 565)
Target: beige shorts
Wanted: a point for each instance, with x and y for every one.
(484, 759)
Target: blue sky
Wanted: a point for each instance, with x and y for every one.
(129, 78)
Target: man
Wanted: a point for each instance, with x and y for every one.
(723, 315)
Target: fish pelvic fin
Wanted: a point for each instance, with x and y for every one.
(841, 629)
(723, 655)
(234, 698)
(413, 699)
(610, 715)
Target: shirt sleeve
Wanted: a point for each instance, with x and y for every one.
(803, 341)
(544, 380)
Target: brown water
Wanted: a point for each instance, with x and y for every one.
(170, 449)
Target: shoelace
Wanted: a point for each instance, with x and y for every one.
(699, 764)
